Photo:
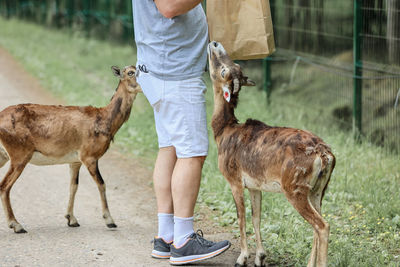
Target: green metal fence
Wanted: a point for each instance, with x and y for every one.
(341, 59)
(106, 19)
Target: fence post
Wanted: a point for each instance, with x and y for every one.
(86, 13)
(3, 8)
(112, 19)
(267, 78)
(57, 13)
(357, 68)
(8, 8)
(43, 10)
(17, 9)
(129, 23)
(107, 13)
(71, 12)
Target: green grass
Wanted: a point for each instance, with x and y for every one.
(362, 203)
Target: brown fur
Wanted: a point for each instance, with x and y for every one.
(58, 131)
(260, 157)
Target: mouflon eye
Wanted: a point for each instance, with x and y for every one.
(223, 73)
(131, 73)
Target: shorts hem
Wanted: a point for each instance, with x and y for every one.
(186, 156)
(164, 146)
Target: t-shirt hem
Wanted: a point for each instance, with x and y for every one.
(177, 77)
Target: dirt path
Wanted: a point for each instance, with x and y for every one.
(40, 197)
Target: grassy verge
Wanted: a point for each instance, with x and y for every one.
(362, 203)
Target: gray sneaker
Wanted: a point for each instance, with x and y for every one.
(161, 249)
(196, 249)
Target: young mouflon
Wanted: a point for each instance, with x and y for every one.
(260, 157)
(74, 135)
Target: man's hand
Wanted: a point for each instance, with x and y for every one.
(173, 8)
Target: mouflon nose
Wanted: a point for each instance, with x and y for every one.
(215, 47)
(214, 44)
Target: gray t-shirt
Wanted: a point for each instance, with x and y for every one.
(171, 49)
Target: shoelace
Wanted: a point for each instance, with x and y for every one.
(199, 237)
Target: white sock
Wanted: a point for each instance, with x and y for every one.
(183, 228)
(166, 226)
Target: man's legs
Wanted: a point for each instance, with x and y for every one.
(185, 188)
(185, 185)
(176, 185)
(162, 176)
(181, 125)
(189, 246)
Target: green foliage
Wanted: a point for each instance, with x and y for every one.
(362, 203)
(104, 19)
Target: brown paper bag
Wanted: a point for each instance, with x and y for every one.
(244, 27)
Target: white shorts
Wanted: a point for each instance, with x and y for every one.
(179, 113)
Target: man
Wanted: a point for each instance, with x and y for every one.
(171, 38)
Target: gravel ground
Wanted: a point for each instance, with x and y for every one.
(40, 196)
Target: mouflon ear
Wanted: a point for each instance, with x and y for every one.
(116, 71)
(236, 85)
(247, 82)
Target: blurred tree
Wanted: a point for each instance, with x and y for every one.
(369, 15)
(380, 20)
(289, 40)
(320, 26)
(8, 8)
(50, 6)
(306, 36)
(393, 31)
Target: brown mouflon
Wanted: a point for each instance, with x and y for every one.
(49, 135)
(260, 158)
